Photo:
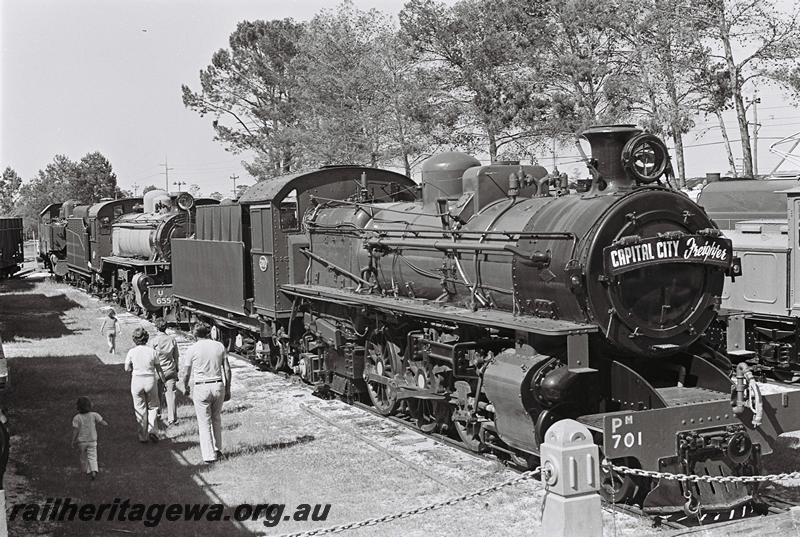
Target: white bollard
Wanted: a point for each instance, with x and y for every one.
(571, 476)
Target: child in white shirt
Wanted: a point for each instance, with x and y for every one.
(84, 434)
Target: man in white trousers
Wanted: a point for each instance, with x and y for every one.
(210, 386)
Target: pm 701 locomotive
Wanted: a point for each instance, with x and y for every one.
(495, 304)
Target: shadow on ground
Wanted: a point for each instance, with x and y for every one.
(41, 404)
(19, 285)
(32, 315)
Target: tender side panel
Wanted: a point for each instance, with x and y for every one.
(77, 245)
(762, 288)
(209, 272)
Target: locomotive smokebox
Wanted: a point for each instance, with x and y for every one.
(442, 175)
(607, 143)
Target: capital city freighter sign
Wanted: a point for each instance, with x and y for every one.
(626, 256)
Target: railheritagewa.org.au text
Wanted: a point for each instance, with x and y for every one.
(153, 514)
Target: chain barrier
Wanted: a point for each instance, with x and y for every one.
(417, 510)
(702, 478)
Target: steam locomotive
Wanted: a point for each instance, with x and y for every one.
(52, 247)
(496, 303)
(118, 248)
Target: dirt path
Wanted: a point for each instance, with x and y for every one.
(284, 446)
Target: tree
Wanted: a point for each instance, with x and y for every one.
(417, 119)
(664, 50)
(194, 190)
(715, 98)
(51, 185)
(94, 179)
(583, 63)
(216, 195)
(148, 188)
(10, 183)
(753, 39)
(249, 90)
(344, 99)
(466, 47)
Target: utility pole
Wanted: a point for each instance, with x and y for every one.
(756, 125)
(135, 189)
(178, 184)
(234, 177)
(166, 173)
(555, 163)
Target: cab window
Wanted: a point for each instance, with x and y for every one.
(105, 225)
(289, 213)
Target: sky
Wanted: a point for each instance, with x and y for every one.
(79, 76)
(105, 75)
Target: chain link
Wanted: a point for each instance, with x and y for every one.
(417, 510)
(703, 478)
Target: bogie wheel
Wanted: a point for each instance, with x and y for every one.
(277, 360)
(528, 461)
(616, 487)
(380, 356)
(430, 415)
(469, 434)
(465, 422)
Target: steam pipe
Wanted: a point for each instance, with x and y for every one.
(336, 268)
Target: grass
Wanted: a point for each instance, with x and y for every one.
(43, 318)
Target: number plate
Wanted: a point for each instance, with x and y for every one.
(622, 437)
(160, 295)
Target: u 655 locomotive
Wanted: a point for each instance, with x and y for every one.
(120, 248)
(497, 303)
